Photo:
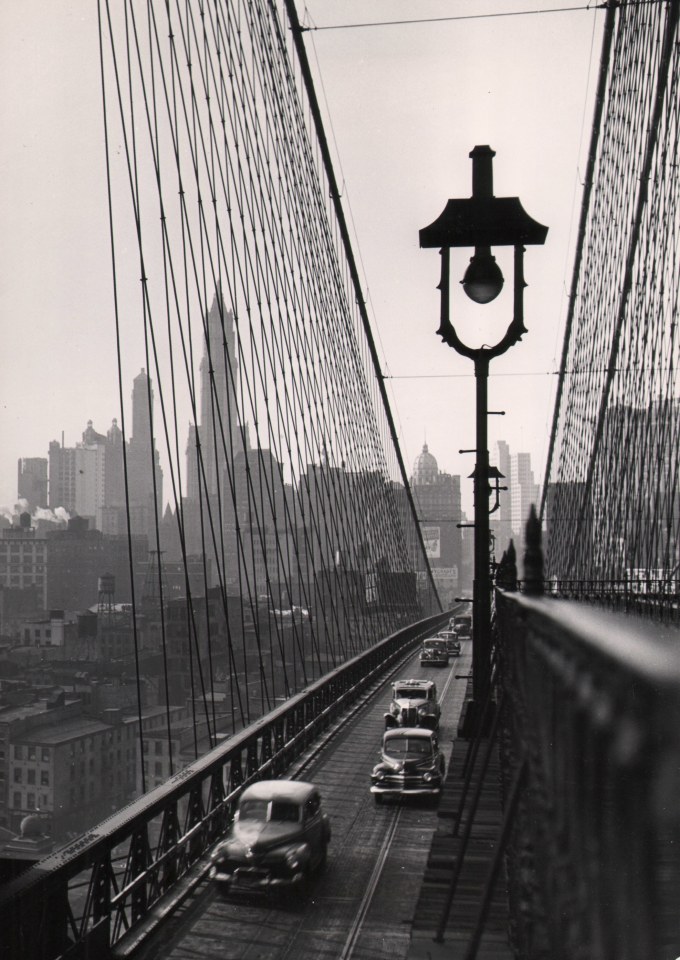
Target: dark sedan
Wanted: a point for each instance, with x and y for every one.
(411, 764)
(279, 837)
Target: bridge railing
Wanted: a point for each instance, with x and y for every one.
(82, 899)
(657, 598)
(591, 719)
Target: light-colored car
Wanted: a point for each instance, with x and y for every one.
(279, 836)
(433, 653)
(414, 704)
(411, 764)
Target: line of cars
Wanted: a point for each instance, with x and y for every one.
(280, 833)
(411, 763)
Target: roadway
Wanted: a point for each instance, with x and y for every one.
(362, 905)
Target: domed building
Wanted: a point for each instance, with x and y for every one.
(425, 468)
(437, 498)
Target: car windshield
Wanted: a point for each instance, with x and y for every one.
(253, 810)
(409, 693)
(435, 644)
(283, 810)
(403, 748)
(278, 810)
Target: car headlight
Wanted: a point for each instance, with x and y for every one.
(379, 774)
(422, 710)
(295, 855)
(394, 709)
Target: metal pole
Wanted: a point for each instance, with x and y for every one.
(481, 591)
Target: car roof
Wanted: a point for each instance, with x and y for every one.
(416, 684)
(400, 733)
(296, 791)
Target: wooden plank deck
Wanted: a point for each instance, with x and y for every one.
(476, 867)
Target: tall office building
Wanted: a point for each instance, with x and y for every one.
(144, 474)
(437, 497)
(524, 492)
(32, 481)
(217, 442)
(218, 431)
(62, 476)
(521, 491)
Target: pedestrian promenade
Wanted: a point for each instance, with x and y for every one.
(440, 931)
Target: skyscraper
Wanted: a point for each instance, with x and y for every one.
(217, 441)
(437, 497)
(218, 431)
(144, 474)
(32, 481)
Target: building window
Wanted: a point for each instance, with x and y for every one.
(18, 752)
(45, 755)
(17, 774)
(30, 774)
(30, 801)
(159, 769)
(31, 753)
(17, 801)
(44, 778)
(159, 748)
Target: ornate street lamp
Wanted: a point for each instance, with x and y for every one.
(482, 221)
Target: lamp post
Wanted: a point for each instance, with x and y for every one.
(482, 221)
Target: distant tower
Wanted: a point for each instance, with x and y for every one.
(145, 477)
(437, 498)
(219, 371)
(32, 481)
(142, 404)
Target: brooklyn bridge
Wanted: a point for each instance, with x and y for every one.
(304, 585)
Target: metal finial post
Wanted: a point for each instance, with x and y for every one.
(533, 556)
(506, 578)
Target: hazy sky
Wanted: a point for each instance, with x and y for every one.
(406, 104)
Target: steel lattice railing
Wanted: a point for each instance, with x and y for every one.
(591, 712)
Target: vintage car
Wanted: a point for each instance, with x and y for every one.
(462, 624)
(278, 838)
(452, 642)
(411, 764)
(414, 704)
(433, 653)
